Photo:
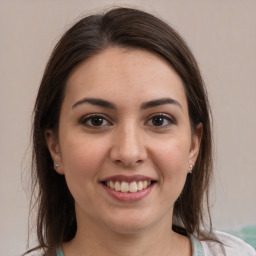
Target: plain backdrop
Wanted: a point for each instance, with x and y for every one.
(221, 34)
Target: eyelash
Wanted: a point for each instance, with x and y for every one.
(84, 121)
(89, 118)
(165, 118)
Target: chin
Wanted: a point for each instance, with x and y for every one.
(130, 224)
(128, 228)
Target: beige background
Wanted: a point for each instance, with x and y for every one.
(222, 35)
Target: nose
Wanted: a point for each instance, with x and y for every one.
(129, 147)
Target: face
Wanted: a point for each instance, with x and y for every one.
(124, 142)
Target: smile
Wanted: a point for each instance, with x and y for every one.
(126, 187)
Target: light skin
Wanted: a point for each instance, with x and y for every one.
(125, 113)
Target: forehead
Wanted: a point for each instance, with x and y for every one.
(125, 74)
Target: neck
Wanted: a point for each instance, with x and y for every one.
(156, 240)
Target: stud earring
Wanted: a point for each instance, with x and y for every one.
(56, 166)
(191, 167)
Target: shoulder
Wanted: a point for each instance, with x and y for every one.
(231, 246)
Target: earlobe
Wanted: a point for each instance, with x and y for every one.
(54, 149)
(195, 144)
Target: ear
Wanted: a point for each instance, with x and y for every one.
(54, 149)
(195, 145)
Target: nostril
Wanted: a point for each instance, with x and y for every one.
(127, 152)
(129, 163)
(118, 161)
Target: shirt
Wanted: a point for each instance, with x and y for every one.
(231, 246)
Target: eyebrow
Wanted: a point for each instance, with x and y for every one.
(159, 102)
(144, 105)
(95, 101)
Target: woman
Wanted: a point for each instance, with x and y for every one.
(122, 144)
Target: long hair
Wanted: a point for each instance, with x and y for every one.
(128, 28)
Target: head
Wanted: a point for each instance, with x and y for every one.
(131, 30)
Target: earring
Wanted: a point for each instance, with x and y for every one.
(191, 167)
(56, 166)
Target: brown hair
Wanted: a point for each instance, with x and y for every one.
(123, 27)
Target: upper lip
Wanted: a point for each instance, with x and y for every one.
(127, 178)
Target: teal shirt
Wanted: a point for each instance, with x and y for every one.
(60, 252)
(196, 245)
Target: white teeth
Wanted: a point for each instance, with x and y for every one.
(140, 185)
(111, 184)
(117, 186)
(128, 187)
(124, 186)
(133, 186)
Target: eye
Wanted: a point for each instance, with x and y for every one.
(160, 120)
(95, 121)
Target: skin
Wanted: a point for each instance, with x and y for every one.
(126, 141)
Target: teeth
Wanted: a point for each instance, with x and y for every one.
(133, 187)
(124, 186)
(128, 187)
(111, 184)
(140, 185)
(117, 186)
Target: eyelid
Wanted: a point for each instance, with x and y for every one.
(84, 119)
(169, 118)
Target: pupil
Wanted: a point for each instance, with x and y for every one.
(158, 121)
(97, 121)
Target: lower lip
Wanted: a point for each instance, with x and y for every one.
(128, 197)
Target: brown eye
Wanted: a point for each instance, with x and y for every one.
(160, 121)
(95, 121)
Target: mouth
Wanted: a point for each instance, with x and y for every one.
(128, 184)
(125, 187)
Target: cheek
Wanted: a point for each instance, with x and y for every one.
(172, 162)
(82, 157)
(173, 155)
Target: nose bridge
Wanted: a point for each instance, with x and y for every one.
(129, 148)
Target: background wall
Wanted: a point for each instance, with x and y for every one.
(222, 35)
